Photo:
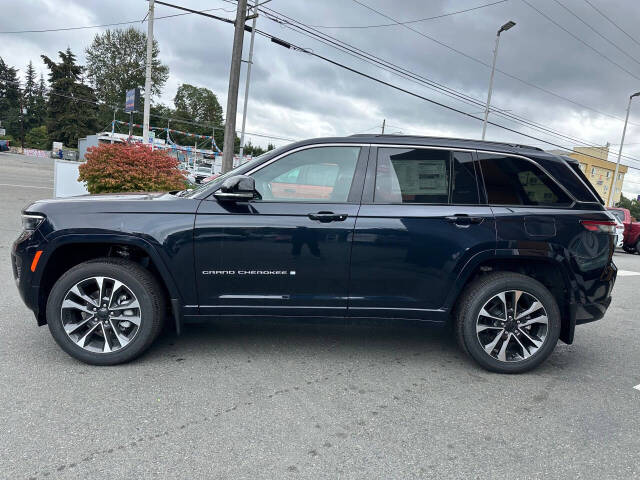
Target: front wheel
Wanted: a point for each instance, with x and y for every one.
(508, 322)
(628, 249)
(105, 311)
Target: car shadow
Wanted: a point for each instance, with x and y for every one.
(333, 338)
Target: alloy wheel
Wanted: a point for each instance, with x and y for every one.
(101, 314)
(512, 326)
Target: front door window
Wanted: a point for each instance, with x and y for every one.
(322, 174)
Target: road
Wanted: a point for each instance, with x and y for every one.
(267, 401)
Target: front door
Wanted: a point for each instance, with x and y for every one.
(420, 221)
(287, 253)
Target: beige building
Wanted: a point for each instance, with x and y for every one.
(600, 171)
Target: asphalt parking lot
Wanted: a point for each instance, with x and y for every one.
(310, 401)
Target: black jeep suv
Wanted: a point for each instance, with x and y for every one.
(508, 243)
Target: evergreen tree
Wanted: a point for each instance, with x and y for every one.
(40, 108)
(9, 99)
(30, 94)
(71, 108)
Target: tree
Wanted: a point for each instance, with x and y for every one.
(71, 108)
(199, 104)
(116, 61)
(9, 99)
(30, 95)
(130, 168)
(40, 107)
(37, 138)
(632, 205)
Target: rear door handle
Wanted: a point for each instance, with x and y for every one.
(326, 217)
(462, 220)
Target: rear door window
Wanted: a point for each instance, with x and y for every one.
(517, 181)
(424, 176)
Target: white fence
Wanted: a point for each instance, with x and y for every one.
(65, 179)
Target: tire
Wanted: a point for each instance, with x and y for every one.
(628, 249)
(485, 293)
(71, 307)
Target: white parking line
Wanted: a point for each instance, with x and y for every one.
(637, 387)
(23, 186)
(627, 273)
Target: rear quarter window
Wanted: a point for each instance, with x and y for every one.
(570, 177)
(518, 181)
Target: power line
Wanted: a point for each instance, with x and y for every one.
(596, 31)
(411, 76)
(412, 21)
(477, 60)
(580, 40)
(67, 29)
(611, 21)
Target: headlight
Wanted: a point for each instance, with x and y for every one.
(31, 221)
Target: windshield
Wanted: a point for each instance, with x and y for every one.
(246, 166)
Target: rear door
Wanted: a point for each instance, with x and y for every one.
(287, 253)
(421, 220)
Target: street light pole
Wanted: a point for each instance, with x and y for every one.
(612, 195)
(147, 77)
(246, 87)
(234, 80)
(503, 28)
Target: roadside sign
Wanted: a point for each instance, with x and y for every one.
(3, 132)
(132, 100)
(152, 137)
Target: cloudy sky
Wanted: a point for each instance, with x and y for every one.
(577, 89)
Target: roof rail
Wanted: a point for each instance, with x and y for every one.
(470, 140)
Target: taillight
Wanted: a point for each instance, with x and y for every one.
(604, 226)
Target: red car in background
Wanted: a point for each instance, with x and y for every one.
(631, 243)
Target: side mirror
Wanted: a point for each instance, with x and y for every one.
(237, 189)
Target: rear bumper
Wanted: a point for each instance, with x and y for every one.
(592, 311)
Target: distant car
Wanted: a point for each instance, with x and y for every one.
(210, 177)
(4, 145)
(619, 227)
(631, 243)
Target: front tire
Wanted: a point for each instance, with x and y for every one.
(105, 311)
(507, 322)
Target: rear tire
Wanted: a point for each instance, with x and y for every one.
(105, 311)
(513, 334)
(629, 249)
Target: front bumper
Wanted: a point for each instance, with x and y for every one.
(23, 252)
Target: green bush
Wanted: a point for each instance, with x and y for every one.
(37, 138)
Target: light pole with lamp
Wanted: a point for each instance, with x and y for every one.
(503, 28)
(612, 193)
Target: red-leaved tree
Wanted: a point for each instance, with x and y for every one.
(113, 168)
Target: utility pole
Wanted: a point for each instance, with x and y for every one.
(503, 28)
(21, 123)
(612, 196)
(234, 80)
(384, 121)
(113, 125)
(246, 87)
(147, 79)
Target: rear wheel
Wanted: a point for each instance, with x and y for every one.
(105, 311)
(629, 249)
(508, 322)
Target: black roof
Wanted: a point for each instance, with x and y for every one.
(428, 141)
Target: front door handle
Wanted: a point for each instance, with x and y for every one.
(462, 220)
(326, 217)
